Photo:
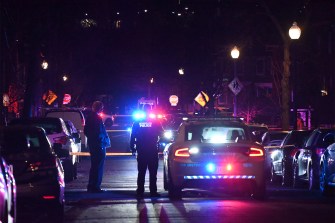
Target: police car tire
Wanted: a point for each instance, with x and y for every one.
(259, 192)
(173, 191)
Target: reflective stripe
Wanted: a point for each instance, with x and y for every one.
(215, 177)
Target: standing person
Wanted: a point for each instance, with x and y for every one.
(300, 122)
(144, 140)
(97, 141)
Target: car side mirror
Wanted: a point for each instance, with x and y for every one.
(61, 153)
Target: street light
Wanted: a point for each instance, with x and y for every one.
(44, 65)
(294, 33)
(235, 53)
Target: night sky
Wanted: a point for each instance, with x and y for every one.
(129, 41)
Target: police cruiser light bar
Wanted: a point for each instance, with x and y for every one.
(209, 118)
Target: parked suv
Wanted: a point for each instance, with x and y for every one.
(57, 133)
(76, 116)
(37, 169)
(307, 160)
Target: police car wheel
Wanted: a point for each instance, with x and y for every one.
(259, 192)
(173, 191)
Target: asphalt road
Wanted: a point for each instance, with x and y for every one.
(119, 204)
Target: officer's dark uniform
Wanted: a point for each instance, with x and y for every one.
(97, 140)
(144, 137)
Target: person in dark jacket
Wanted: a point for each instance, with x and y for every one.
(97, 141)
(144, 140)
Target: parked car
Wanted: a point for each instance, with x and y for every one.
(7, 192)
(281, 157)
(306, 162)
(57, 133)
(76, 116)
(214, 152)
(37, 169)
(273, 137)
(327, 170)
(258, 130)
(107, 119)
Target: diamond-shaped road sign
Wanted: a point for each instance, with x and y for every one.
(235, 86)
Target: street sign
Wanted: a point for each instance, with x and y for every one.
(202, 98)
(66, 99)
(173, 100)
(235, 86)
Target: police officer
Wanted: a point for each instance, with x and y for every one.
(144, 140)
(97, 140)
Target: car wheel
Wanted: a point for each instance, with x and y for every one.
(68, 170)
(57, 213)
(296, 180)
(325, 190)
(259, 192)
(166, 184)
(312, 181)
(274, 176)
(287, 175)
(75, 170)
(173, 191)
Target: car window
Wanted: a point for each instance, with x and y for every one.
(215, 134)
(23, 142)
(321, 139)
(298, 138)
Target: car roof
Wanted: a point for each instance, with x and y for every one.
(235, 121)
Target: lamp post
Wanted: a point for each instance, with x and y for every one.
(294, 33)
(235, 53)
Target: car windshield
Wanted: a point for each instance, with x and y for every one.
(298, 138)
(215, 134)
(16, 142)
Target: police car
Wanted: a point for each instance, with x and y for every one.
(214, 152)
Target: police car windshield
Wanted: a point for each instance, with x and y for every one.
(215, 134)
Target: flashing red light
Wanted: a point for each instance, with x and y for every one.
(229, 167)
(319, 151)
(49, 197)
(151, 115)
(182, 152)
(256, 152)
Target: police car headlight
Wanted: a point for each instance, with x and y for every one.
(194, 150)
(168, 134)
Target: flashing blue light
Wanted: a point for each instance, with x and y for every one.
(210, 167)
(138, 115)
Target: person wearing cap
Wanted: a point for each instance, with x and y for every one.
(144, 141)
(97, 141)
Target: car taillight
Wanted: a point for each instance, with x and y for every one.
(182, 152)
(42, 165)
(319, 151)
(61, 140)
(49, 197)
(256, 152)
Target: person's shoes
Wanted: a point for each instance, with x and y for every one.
(155, 194)
(95, 190)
